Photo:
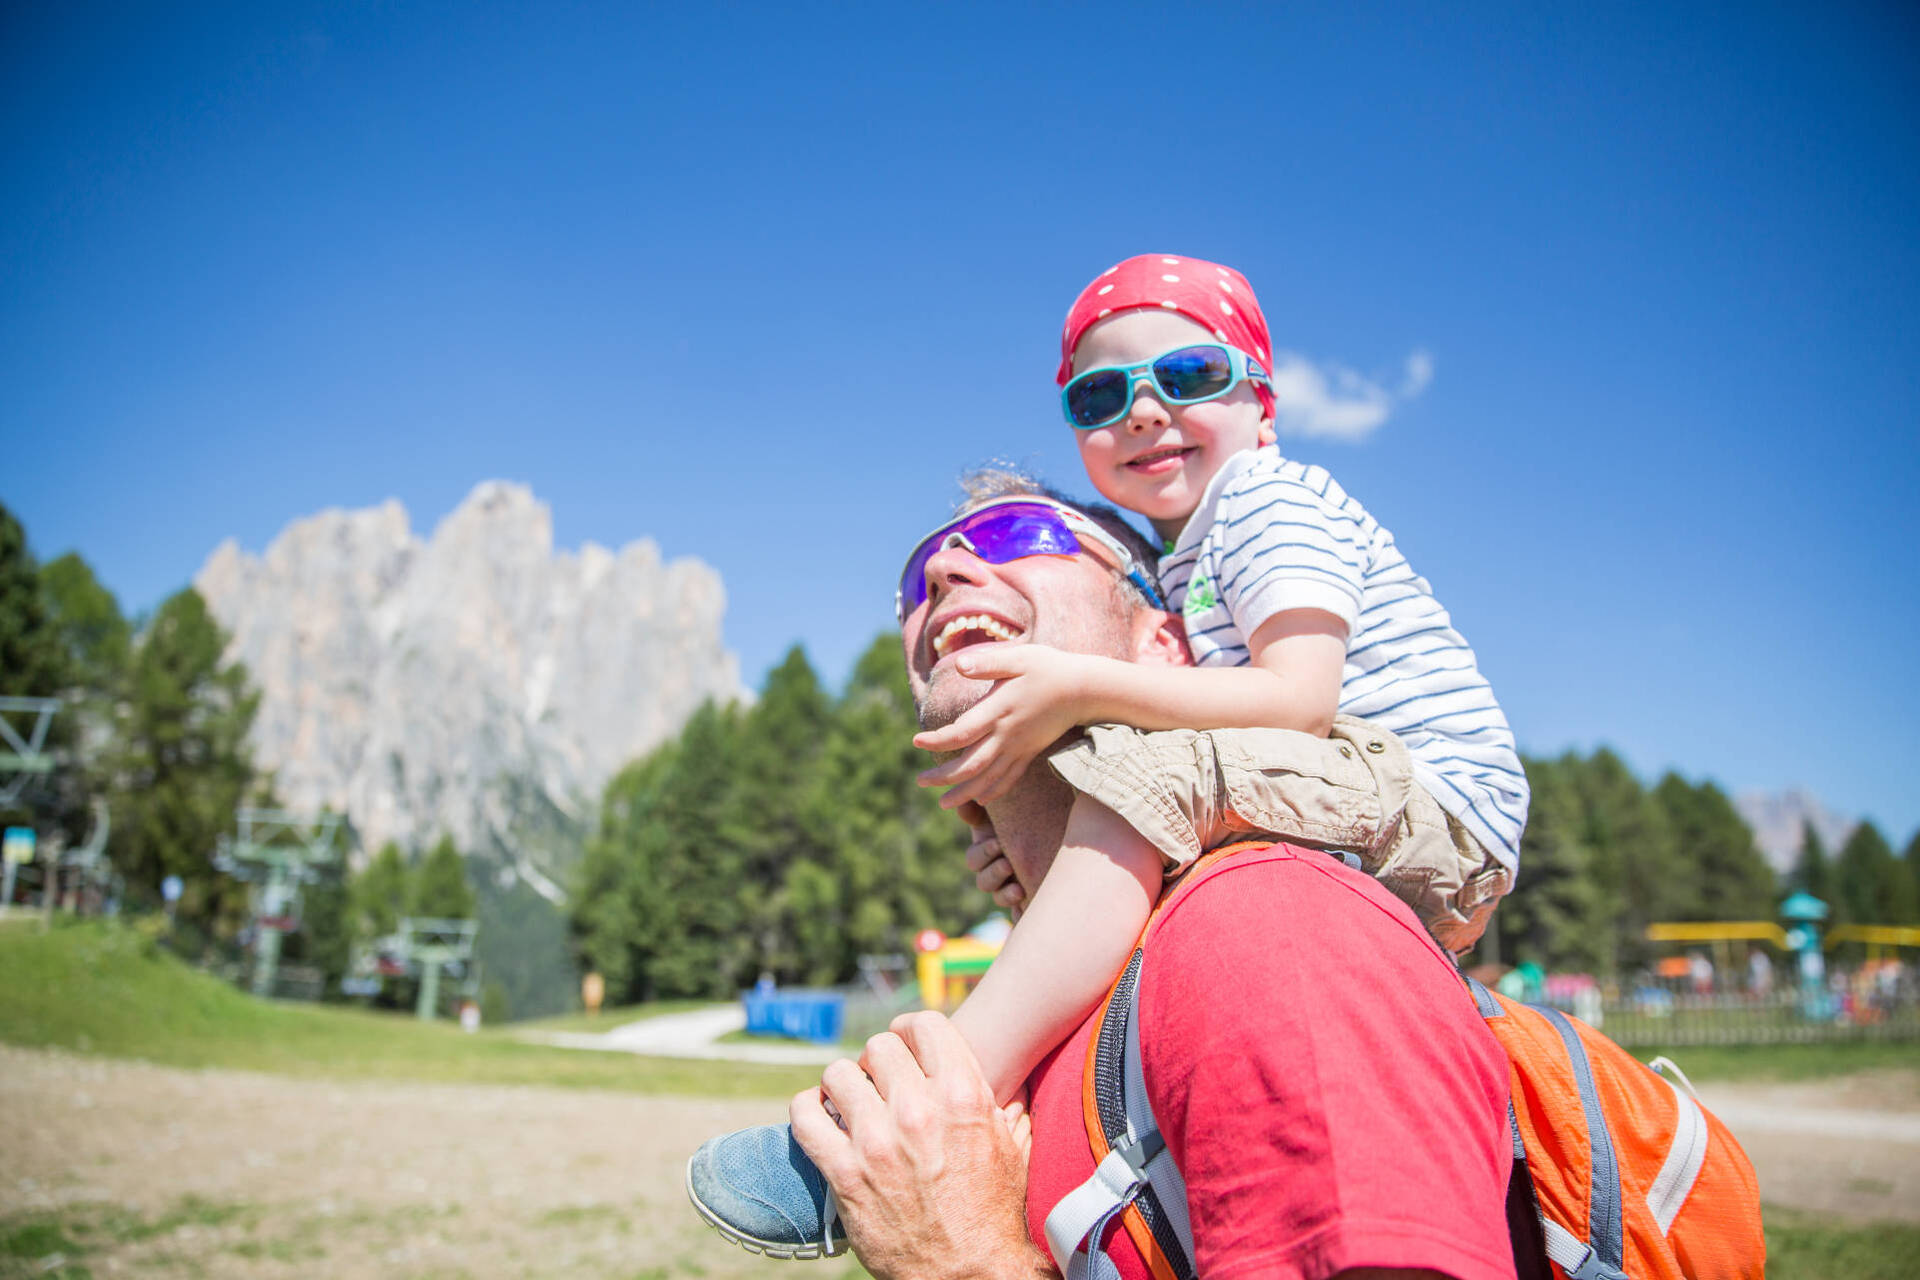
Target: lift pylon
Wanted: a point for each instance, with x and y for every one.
(277, 850)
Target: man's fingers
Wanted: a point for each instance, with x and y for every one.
(852, 1093)
(940, 1053)
(814, 1128)
(982, 853)
(1008, 895)
(994, 877)
(889, 1064)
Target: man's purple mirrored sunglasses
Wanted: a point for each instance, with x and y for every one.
(1009, 529)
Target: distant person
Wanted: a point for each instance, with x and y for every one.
(1318, 1069)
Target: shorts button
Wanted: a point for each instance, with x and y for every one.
(1346, 751)
(1376, 747)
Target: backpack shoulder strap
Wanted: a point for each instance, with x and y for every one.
(1600, 1255)
(1135, 1176)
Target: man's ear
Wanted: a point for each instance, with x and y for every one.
(1160, 639)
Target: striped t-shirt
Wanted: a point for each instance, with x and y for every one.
(1272, 535)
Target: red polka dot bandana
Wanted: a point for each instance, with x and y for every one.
(1216, 298)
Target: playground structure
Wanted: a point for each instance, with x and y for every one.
(277, 851)
(948, 968)
(1696, 1000)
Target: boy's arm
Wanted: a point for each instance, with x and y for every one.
(1061, 958)
(1293, 682)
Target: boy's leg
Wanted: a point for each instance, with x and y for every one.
(1188, 791)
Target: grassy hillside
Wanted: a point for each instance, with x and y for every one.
(105, 988)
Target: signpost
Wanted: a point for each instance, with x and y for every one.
(278, 851)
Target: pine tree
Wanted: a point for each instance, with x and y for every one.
(899, 860)
(323, 939)
(180, 765)
(93, 640)
(775, 794)
(1557, 915)
(93, 635)
(1906, 907)
(378, 895)
(1733, 880)
(1812, 870)
(1636, 866)
(440, 890)
(1866, 878)
(667, 870)
(32, 664)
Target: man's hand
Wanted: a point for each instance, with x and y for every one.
(1036, 698)
(926, 1172)
(991, 870)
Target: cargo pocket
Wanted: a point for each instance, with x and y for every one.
(1296, 785)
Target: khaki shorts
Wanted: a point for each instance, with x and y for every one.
(1187, 791)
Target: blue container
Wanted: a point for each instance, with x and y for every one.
(797, 1013)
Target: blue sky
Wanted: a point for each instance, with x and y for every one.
(757, 281)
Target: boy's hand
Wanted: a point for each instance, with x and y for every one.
(1034, 701)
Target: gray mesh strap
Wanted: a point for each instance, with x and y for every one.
(1165, 1183)
(1483, 1000)
(1605, 1233)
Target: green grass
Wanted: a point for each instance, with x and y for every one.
(102, 988)
(1807, 1246)
(1787, 1062)
(30, 1242)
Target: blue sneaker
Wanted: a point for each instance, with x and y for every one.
(757, 1188)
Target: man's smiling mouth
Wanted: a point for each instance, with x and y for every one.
(970, 629)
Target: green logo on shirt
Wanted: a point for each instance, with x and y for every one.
(1200, 596)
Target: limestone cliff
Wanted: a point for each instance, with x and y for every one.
(475, 682)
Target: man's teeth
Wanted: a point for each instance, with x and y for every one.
(971, 622)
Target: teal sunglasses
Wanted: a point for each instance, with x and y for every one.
(1185, 375)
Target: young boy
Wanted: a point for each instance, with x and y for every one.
(1303, 617)
(1297, 605)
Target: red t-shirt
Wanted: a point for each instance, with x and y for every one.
(1320, 1075)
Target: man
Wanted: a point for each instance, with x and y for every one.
(1331, 1096)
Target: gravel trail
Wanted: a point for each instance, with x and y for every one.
(230, 1174)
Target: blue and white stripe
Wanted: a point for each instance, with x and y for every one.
(1272, 535)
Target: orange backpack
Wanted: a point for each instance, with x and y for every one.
(1618, 1173)
(1626, 1173)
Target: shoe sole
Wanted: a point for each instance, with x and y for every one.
(754, 1244)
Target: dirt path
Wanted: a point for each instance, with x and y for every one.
(224, 1173)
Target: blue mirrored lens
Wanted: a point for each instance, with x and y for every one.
(1194, 373)
(1098, 397)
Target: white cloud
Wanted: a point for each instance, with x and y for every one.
(1331, 400)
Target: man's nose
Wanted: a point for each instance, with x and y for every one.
(953, 567)
(1147, 412)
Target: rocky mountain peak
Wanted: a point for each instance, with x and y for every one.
(476, 683)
